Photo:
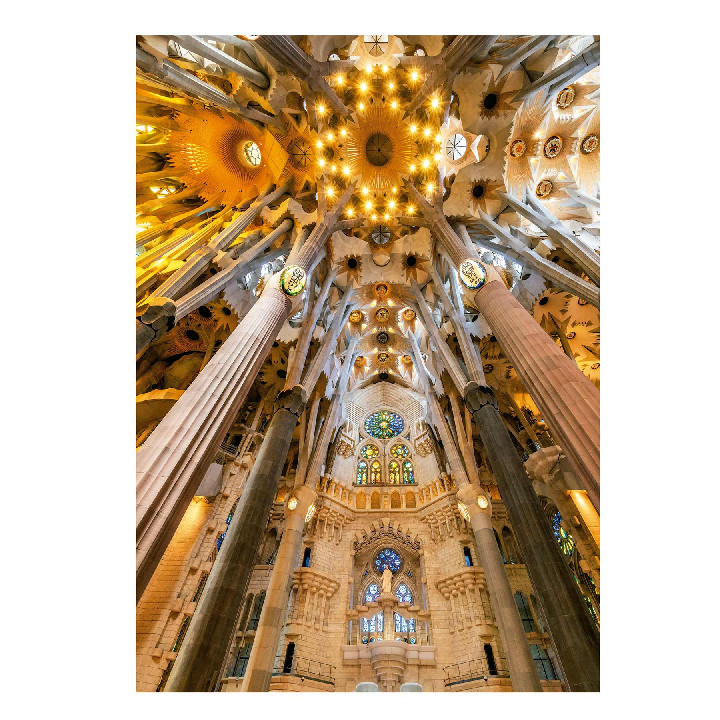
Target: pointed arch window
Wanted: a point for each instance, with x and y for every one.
(408, 473)
(375, 472)
(362, 473)
(403, 593)
(525, 612)
(372, 593)
(394, 472)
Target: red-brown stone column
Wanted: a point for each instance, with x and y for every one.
(569, 402)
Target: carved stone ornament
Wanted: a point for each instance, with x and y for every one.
(544, 188)
(472, 274)
(356, 316)
(292, 280)
(383, 358)
(477, 397)
(517, 148)
(382, 338)
(381, 290)
(565, 98)
(382, 314)
(409, 314)
(590, 144)
(553, 147)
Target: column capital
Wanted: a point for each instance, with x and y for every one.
(477, 396)
(154, 317)
(292, 400)
(541, 463)
(469, 495)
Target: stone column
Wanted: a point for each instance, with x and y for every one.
(203, 653)
(262, 659)
(174, 459)
(523, 672)
(569, 402)
(570, 624)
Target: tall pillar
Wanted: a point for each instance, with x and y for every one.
(204, 650)
(523, 672)
(572, 629)
(569, 402)
(262, 659)
(172, 462)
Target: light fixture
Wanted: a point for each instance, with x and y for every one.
(292, 503)
(393, 104)
(333, 168)
(343, 132)
(346, 170)
(374, 217)
(391, 85)
(436, 156)
(385, 68)
(330, 192)
(361, 106)
(394, 190)
(414, 75)
(368, 68)
(368, 205)
(339, 80)
(426, 163)
(410, 209)
(412, 168)
(482, 501)
(350, 212)
(426, 132)
(319, 143)
(330, 136)
(321, 109)
(363, 86)
(438, 138)
(321, 162)
(391, 204)
(387, 217)
(434, 103)
(430, 187)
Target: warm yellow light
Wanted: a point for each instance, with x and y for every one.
(333, 168)
(319, 143)
(343, 132)
(436, 156)
(374, 217)
(411, 209)
(412, 168)
(361, 106)
(438, 138)
(426, 132)
(364, 190)
(339, 79)
(538, 135)
(391, 204)
(368, 205)
(426, 163)
(413, 128)
(434, 103)
(363, 86)
(393, 104)
(414, 75)
(368, 68)
(321, 109)
(394, 190)
(350, 212)
(330, 192)
(430, 187)
(385, 68)
(387, 217)
(391, 85)
(330, 137)
(321, 162)
(346, 170)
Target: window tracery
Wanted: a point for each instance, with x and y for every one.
(394, 472)
(361, 477)
(403, 594)
(408, 472)
(375, 473)
(384, 425)
(387, 558)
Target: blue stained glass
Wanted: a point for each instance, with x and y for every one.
(384, 425)
(389, 558)
(372, 593)
(565, 540)
(219, 542)
(413, 641)
(403, 593)
(408, 473)
(362, 473)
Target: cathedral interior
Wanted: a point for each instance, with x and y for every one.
(368, 363)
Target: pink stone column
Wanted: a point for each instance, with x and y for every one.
(171, 464)
(568, 401)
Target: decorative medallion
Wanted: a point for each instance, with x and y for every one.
(409, 314)
(517, 148)
(292, 280)
(380, 235)
(378, 149)
(399, 451)
(407, 360)
(356, 316)
(251, 154)
(472, 274)
(464, 511)
(488, 368)
(292, 503)
(565, 98)
(301, 153)
(360, 361)
(571, 335)
(482, 501)
(383, 337)
(382, 314)
(589, 144)
(553, 147)
(581, 301)
(383, 357)
(456, 146)
(544, 188)
(380, 290)
(384, 424)
(595, 366)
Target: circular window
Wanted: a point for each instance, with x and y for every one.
(565, 98)
(352, 263)
(517, 148)
(478, 191)
(543, 301)
(380, 235)
(251, 153)
(379, 149)
(411, 261)
(590, 144)
(595, 366)
(384, 424)
(544, 188)
(407, 360)
(571, 335)
(553, 147)
(490, 101)
(370, 451)
(488, 368)
(456, 146)
(387, 558)
(359, 361)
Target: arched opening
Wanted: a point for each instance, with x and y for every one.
(468, 556)
(410, 500)
(362, 473)
(242, 661)
(408, 472)
(395, 501)
(375, 501)
(361, 501)
(544, 665)
(246, 612)
(306, 557)
(490, 656)
(394, 472)
(375, 472)
(525, 613)
(289, 655)
(257, 609)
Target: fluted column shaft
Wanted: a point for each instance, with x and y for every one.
(572, 629)
(569, 402)
(262, 658)
(172, 462)
(204, 650)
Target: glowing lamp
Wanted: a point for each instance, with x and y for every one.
(482, 501)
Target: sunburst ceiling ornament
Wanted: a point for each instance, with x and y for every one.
(371, 50)
(559, 145)
(523, 145)
(588, 159)
(460, 148)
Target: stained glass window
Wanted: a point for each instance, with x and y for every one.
(408, 474)
(387, 558)
(370, 451)
(400, 451)
(403, 625)
(384, 425)
(394, 472)
(565, 540)
(362, 473)
(375, 473)
(372, 593)
(403, 593)
(219, 542)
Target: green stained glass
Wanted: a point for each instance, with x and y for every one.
(362, 473)
(408, 473)
(384, 425)
(400, 451)
(370, 451)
